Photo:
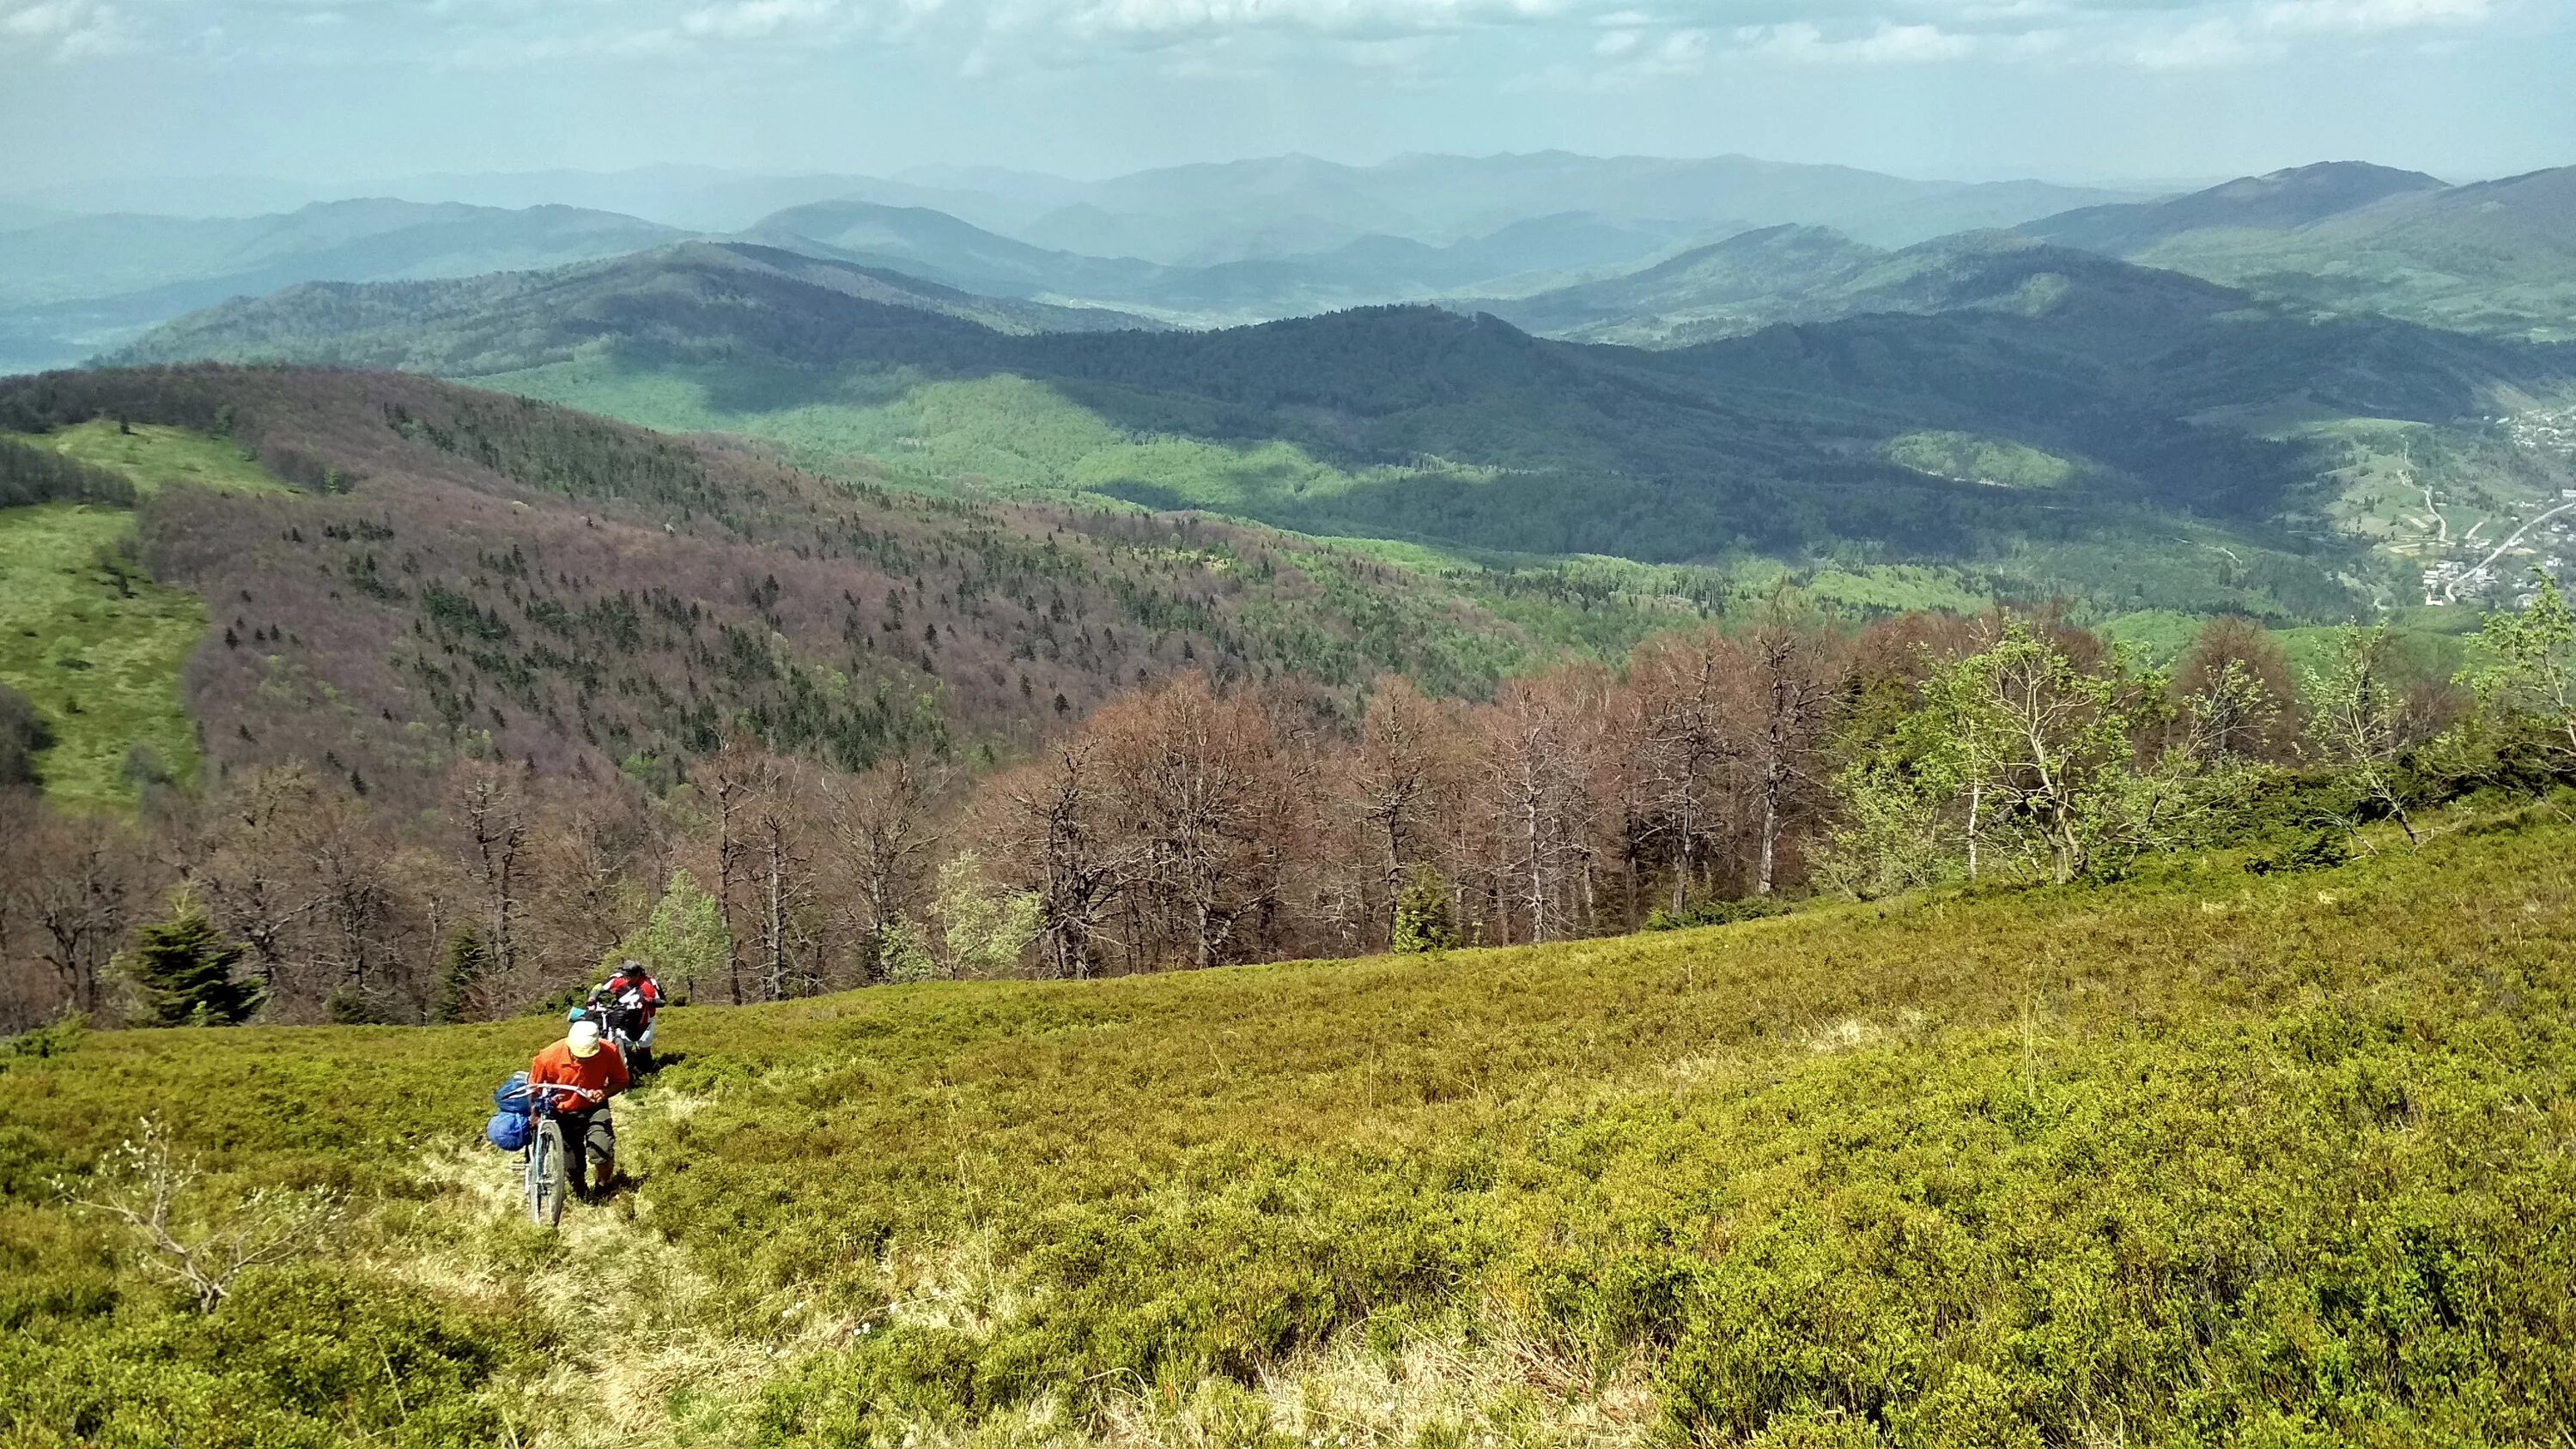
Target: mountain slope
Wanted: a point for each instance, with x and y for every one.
(73, 287)
(2497, 257)
(2281, 201)
(1414, 423)
(1736, 285)
(461, 573)
(2178, 1157)
(695, 299)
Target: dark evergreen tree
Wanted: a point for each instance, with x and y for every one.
(183, 967)
(459, 968)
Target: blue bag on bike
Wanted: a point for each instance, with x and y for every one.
(513, 1095)
(507, 1130)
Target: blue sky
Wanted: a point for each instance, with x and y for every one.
(2070, 89)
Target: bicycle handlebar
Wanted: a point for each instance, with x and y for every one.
(540, 1102)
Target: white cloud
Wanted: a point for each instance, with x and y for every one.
(754, 19)
(64, 29)
(1803, 42)
(1582, 42)
(2196, 46)
(2362, 17)
(1327, 17)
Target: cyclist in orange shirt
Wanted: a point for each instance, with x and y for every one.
(575, 1077)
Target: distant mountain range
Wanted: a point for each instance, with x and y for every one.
(76, 286)
(1203, 245)
(1199, 215)
(1413, 423)
(2492, 256)
(1360, 272)
(711, 300)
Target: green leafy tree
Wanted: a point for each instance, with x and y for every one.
(977, 929)
(1422, 920)
(2531, 665)
(987, 927)
(183, 969)
(683, 940)
(2355, 721)
(2022, 752)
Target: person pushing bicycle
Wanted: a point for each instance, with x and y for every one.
(574, 1078)
(631, 998)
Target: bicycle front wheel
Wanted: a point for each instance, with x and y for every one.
(546, 1174)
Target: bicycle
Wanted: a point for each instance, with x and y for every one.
(618, 1025)
(548, 1178)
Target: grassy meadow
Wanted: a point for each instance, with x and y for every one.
(1971, 459)
(96, 648)
(2206, 1157)
(152, 455)
(94, 644)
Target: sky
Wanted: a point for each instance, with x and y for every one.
(2073, 90)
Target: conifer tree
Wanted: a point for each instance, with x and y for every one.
(459, 967)
(183, 968)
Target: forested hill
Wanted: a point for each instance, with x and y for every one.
(2280, 201)
(694, 299)
(1415, 423)
(2497, 257)
(468, 573)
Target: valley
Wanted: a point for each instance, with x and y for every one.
(1520, 800)
(796, 724)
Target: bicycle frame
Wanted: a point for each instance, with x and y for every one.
(548, 1169)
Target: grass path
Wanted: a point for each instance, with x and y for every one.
(152, 455)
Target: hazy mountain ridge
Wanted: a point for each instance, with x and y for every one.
(1773, 442)
(693, 299)
(2491, 256)
(2279, 201)
(71, 287)
(1366, 270)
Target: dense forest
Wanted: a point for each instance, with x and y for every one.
(1200, 820)
(500, 691)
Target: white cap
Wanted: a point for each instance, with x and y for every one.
(583, 1038)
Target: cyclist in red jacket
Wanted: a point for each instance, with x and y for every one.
(629, 1000)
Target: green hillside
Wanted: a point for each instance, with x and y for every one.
(464, 572)
(1464, 433)
(2494, 257)
(2206, 1157)
(92, 642)
(95, 648)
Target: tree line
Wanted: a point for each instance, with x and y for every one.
(1716, 772)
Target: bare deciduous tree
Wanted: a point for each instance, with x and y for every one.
(144, 1187)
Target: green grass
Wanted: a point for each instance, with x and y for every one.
(96, 650)
(1968, 458)
(97, 647)
(1000, 435)
(2204, 1158)
(152, 455)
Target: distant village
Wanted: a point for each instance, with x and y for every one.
(2543, 536)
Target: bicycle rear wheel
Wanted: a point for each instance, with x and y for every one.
(546, 1174)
